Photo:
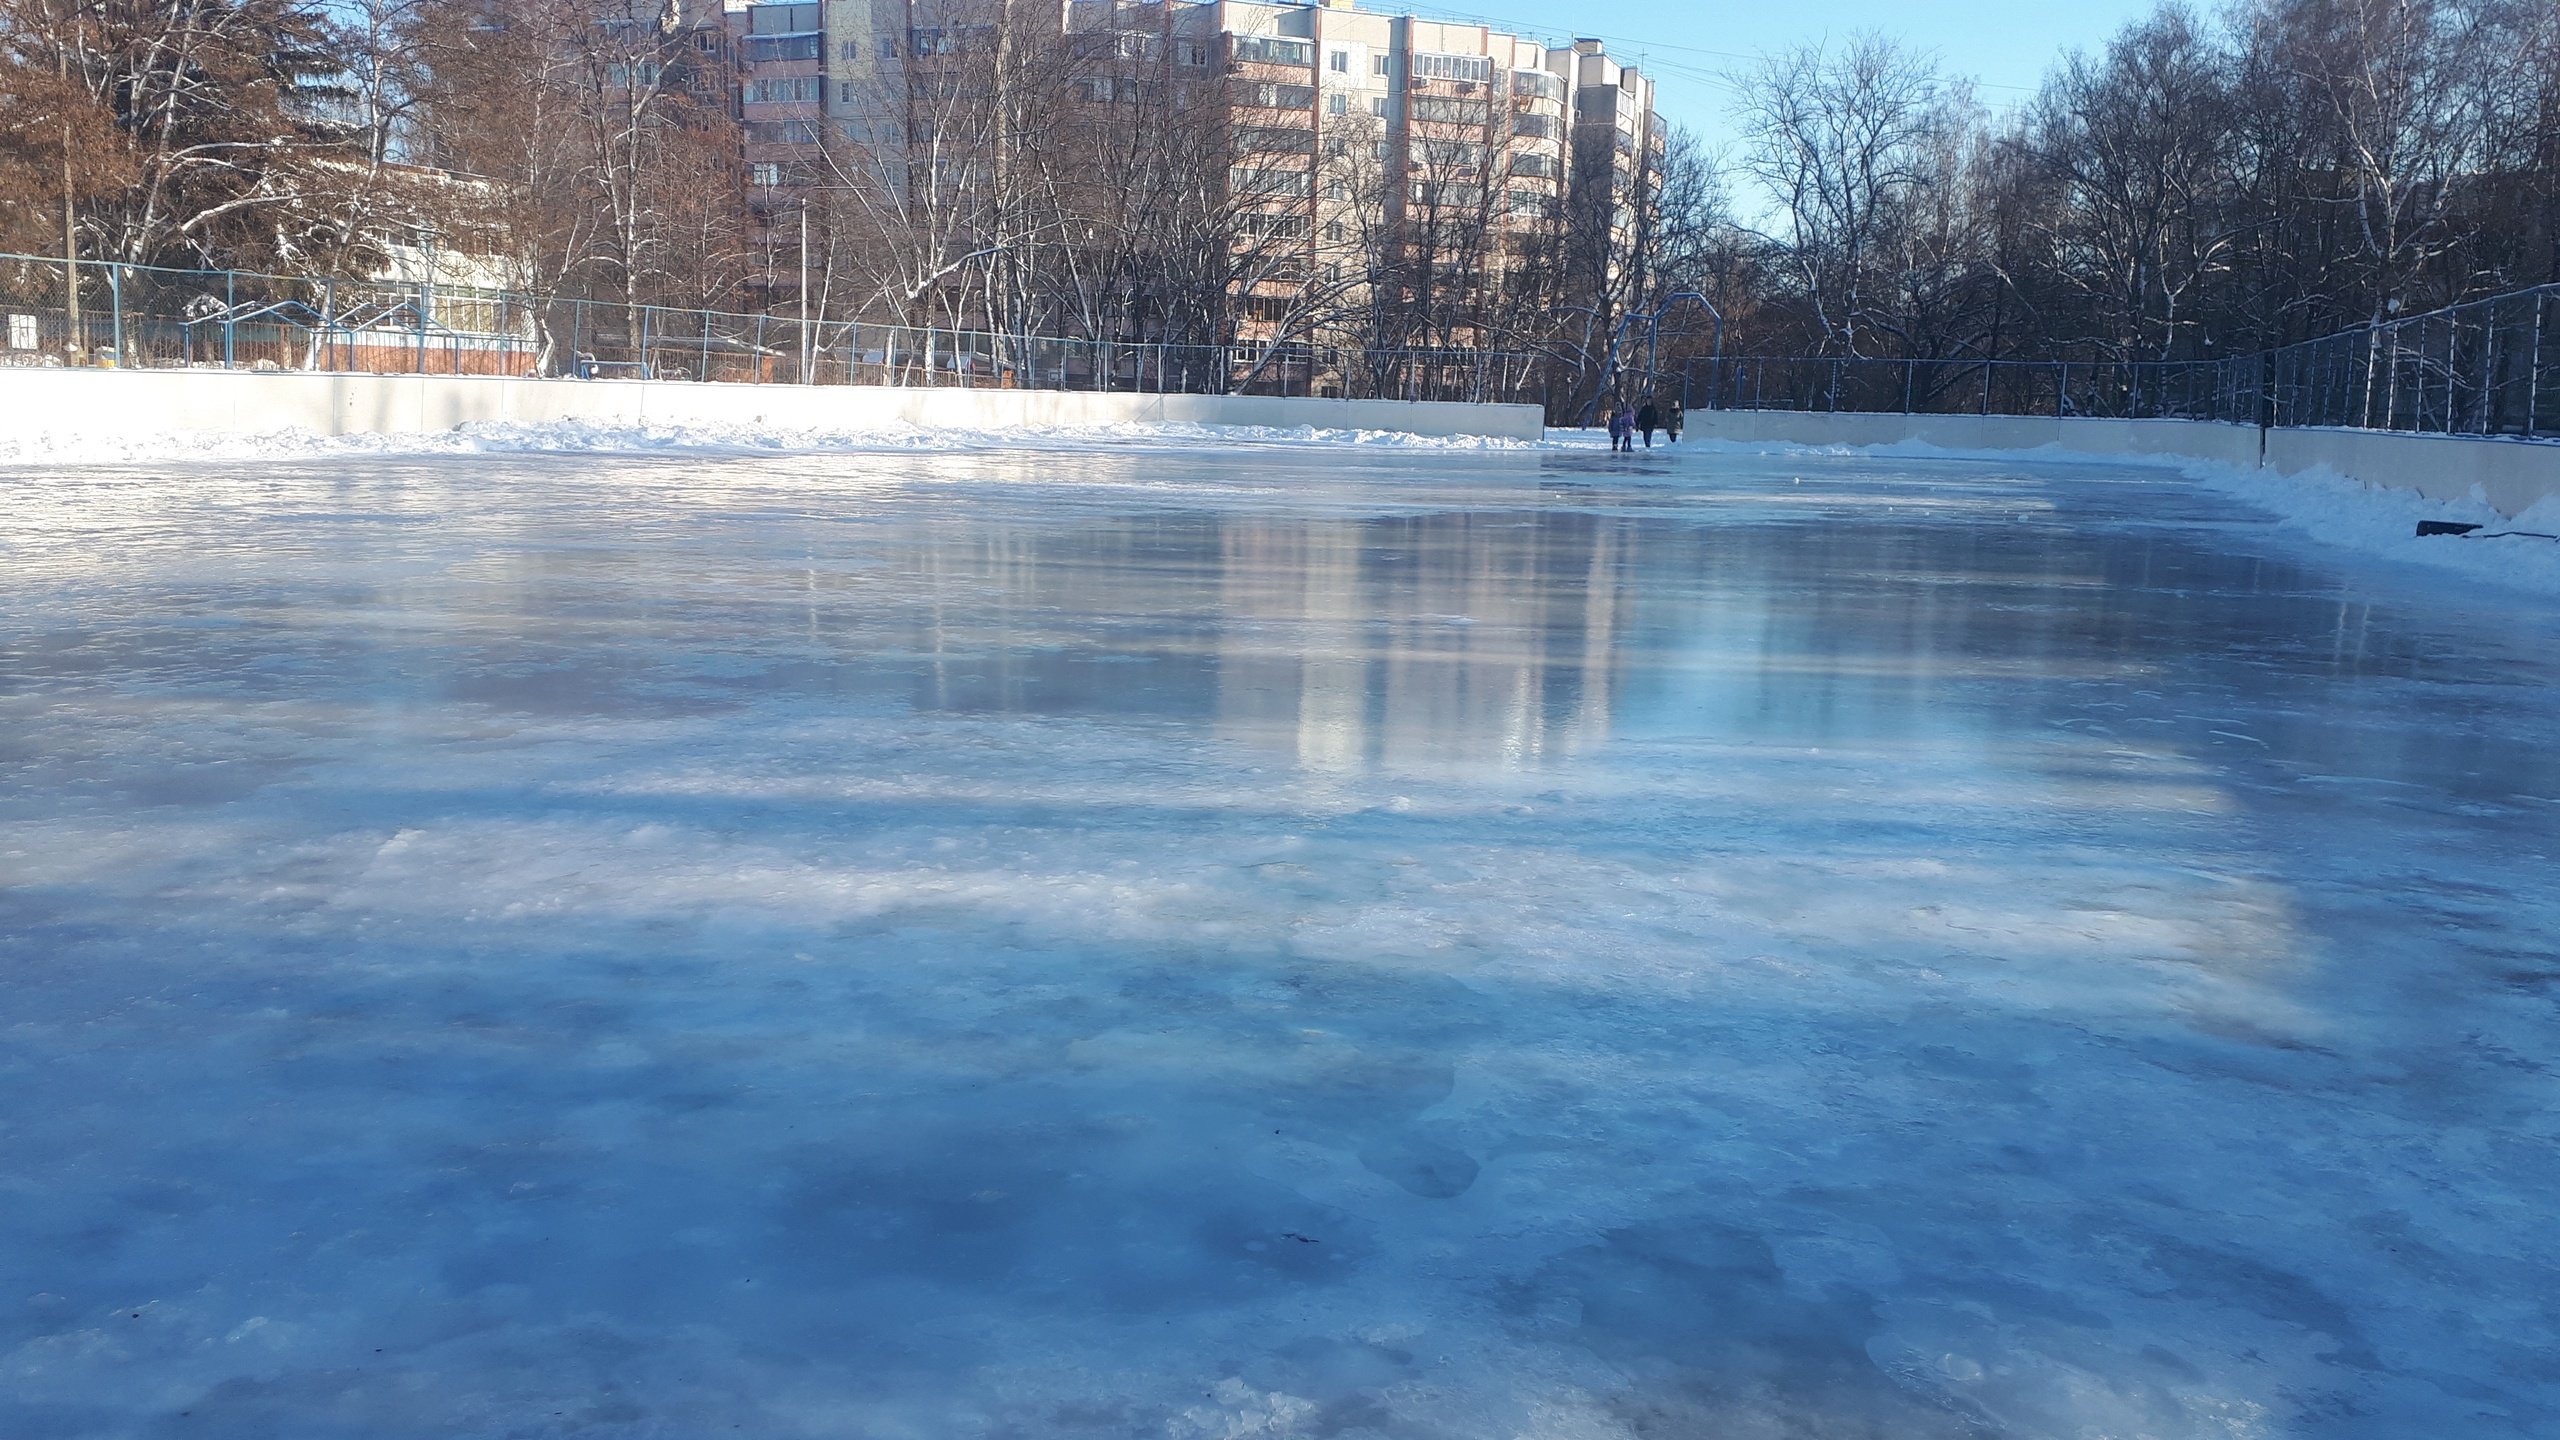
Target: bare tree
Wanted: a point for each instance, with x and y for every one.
(1838, 141)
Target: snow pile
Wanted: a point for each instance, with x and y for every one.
(2321, 504)
(2337, 510)
(587, 436)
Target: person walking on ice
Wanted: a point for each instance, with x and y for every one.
(1648, 420)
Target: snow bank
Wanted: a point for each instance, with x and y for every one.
(584, 436)
(2333, 509)
(2380, 521)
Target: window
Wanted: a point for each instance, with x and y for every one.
(1267, 50)
(1448, 110)
(1382, 65)
(1427, 66)
(1446, 192)
(849, 50)
(764, 173)
(844, 92)
(767, 49)
(1273, 140)
(1335, 231)
(1263, 224)
(1280, 97)
(781, 132)
(1540, 165)
(1338, 61)
(1537, 85)
(1195, 53)
(888, 48)
(772, 19)
(1536, 127)
(1244, 180)
(792, 91)
(1337, 104)
(1337, 191)
(1378, 106)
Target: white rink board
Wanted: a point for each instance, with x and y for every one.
(36, 403)
(2510, 475)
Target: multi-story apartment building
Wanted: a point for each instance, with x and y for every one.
(1376, 166)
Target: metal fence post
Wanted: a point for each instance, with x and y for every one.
(2533, 372)
(230, 322)
(115, 299)
(2488, 372)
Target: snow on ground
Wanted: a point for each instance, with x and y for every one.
(1261, 943)
(576, 436)
(2320, 504)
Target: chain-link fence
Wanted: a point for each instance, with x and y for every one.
(2211, 390)
(2491, 367)
(143, 317)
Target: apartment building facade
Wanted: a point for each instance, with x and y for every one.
(1383, 173)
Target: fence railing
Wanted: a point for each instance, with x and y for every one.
(150, 318)
(2489, 367)
(2210, 390)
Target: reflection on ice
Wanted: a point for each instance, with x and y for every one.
(1232, 944)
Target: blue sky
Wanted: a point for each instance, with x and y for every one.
(2006, 45)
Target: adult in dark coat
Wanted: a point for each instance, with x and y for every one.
(1648, 420)
(1673, 419)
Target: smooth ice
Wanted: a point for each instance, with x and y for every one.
(1263, 941)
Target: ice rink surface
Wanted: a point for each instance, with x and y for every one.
(1237, 942)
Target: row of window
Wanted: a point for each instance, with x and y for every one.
(1278, 97)
(768, 49)
(1270, 50)
(1448, 110)
(1430, 66)
(1271, 184)
(800, 89)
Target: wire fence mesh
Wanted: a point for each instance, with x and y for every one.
(2210, 390)
(143, 317)
(2490, 367)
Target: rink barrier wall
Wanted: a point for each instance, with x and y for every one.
(2511, 475)
(35, 403)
